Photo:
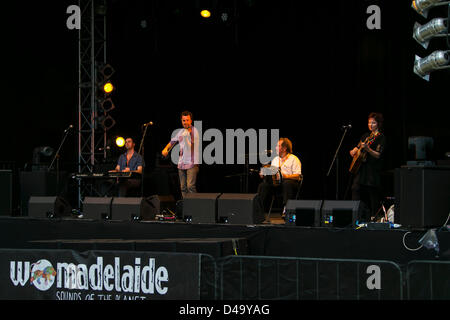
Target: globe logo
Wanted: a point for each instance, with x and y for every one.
(42, 275)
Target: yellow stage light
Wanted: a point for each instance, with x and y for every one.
(120, 142)
(108, 87)
(205, 13)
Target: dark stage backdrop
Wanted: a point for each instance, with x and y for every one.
(304, 67)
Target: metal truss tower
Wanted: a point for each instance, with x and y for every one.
(91, 54)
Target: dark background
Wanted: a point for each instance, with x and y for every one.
(305, 67)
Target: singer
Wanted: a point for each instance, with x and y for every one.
(130, 161)
(291, 170)
(189, 141)
(366, 184)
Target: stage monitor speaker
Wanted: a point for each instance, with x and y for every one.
(167, 203)
(135, 208)
(37, 184)
(240, 208)
(303, 212)
(6, 192)
(340, 214)
(98, 208)
(422, 196)
(48, 207)
(200, 207)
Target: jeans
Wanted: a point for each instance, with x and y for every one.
(188, 180)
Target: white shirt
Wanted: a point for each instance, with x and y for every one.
(189, 142)
(291, 165)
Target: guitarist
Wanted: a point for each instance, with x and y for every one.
(367, 179)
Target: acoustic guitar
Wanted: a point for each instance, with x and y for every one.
(361, 155)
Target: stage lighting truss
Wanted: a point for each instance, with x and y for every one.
(105, 89)
(435, 28)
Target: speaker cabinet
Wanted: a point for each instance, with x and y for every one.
(238, 208)
(6, 192)
(200, 207)
(422, 196)
(166, 203)
(48, 207)
(303, 212)
(37, 184)
(340, 214)
(135, 208)
(97, 208)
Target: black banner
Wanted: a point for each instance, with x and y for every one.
(98, 275)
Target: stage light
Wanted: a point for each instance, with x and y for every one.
(107, 122)
(421, 149)
(120, 142)
(424, 33)
(205, 13)
(108, 87)
(38, 152)
(422, 6)
(435, 61)
(107, 105)
(107, 71)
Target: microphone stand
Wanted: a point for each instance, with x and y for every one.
(336, 159)
(141, 149)
(56, 157)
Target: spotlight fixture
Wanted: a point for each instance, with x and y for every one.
(107, 71)
(108, 87)
(205, 13)
(437, 27)
(120, 142)
(424, 33)
(422, 6)
(107, 105)
(107, 122)
(435, 61)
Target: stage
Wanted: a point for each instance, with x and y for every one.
(274, 239)
(264, 261)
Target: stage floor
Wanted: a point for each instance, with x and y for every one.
(272, 239)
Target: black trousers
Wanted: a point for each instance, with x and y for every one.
(370, 196)
(266, 189)
(129, 187)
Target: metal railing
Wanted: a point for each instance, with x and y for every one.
(284, 278)
(428, 280)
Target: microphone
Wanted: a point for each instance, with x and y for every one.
(349, 126)
(70, 127)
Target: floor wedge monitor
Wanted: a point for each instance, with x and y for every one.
(48, 207)
(340, 214)
(303, 212)
(200, 207)
(240, 208)
(135, 208)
